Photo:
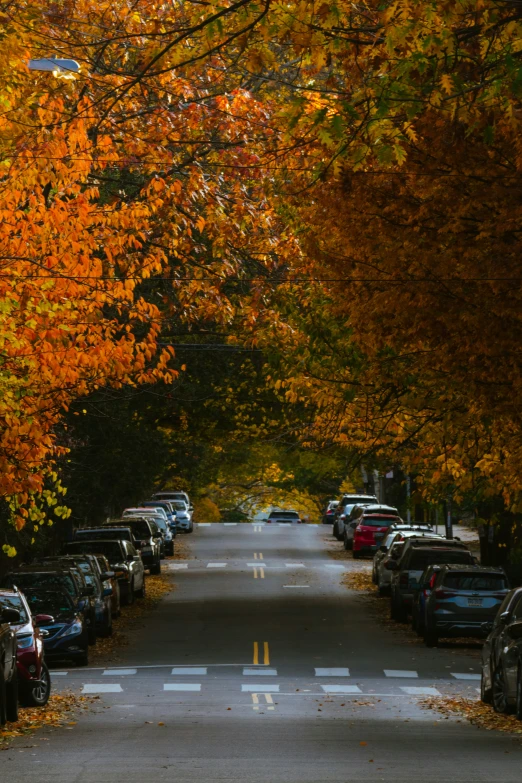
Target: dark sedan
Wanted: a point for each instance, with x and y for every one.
(501, 681)
(64, 629)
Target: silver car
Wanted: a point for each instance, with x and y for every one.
(381, 576)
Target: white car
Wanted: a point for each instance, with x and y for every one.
(183, 516)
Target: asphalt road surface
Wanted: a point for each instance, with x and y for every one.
(261, 666)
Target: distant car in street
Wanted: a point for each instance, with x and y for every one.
(34, 681)
(184, 522)
(284, 517)
(173, 495)
(462, 601)
(501, 679)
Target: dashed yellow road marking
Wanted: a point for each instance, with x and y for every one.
(268, 698)
(256, 654)
(266, 650)
(255, 573)
(262, 573)
(255, 701)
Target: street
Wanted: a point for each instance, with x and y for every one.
(261, 666)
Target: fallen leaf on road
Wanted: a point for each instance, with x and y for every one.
(475, 711)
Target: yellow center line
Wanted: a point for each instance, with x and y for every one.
(255, 555)
(269, 699)
(266, 660)
(260, 555)
(262, 572)
(256, 654)
(255, 573)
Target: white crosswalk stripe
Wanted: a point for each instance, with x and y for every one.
(182, 686)
(105, 687)
(258, 672)
(400, 673)
(119, 672)
(341, 688)
(263, 687)
(216, 565)
(189, 670)
(295, 565)
(465, 676)
(336, 671)
(177, 566)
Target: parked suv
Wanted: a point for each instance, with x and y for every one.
(417, 555)
(370, 531)
(110, 530)
(34, 681)
(501, 681)
(8, 667)
(124, 560)
(285, 517)
(148, 541)
(341, 510)
(463, 601)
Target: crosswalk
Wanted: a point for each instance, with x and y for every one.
(178, 565)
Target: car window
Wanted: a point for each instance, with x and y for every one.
(419, 560)
(14, 602)
(516, 614)
(111, 549)
(140, 528)
(55, 604)
(477, 581)
(130, 551)
(396, 549)
(45, 581)
(377, 521)
(284, 515)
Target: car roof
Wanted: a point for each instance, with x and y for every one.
(94, 541)
(9, 593)
(476, 568)
(438, 549)
(447, 541)
(39, 569)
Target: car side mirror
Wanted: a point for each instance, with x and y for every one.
(392, 565)
(43, 619)
(515, 630)
(505, 617)
(137, 558)
(87, 591)
(10, 615)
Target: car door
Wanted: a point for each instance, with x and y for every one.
(511, 648)
(137, 566)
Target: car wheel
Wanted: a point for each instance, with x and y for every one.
(37, 695)
(11, 698)
(486, 694)
(346, 543)
(141, 592)
(130, 596)
(430, 638)
(92, 634)
(518, 707)
(498, 695)
(383, 590)
(156, 568)
(356, 555)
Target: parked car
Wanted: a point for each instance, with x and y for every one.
(462, 601)
(111, 530)
(417, 555)
(173, 495)
(168, 508)
(384, 575)
(161, 520)
(34, 681)
(87, 564)
(284, 517)
(65, 633)
(329, 512)
(371, 529)
(146, 540)
(501, 680)
(8, 665)
(396, 533)
(108, 577)
(124, 560)
(70, 579)
(183, 516)
(341, 511)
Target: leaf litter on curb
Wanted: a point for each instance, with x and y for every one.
(59, 711)
(474, 711)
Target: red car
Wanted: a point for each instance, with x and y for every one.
(34, 682)
(370, 531)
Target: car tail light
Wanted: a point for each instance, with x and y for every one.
(403, 580)
(444, 594)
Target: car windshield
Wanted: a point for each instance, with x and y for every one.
(477, 581)
(421, 560)
(179, 505)
(14, 602)
(111, 549)
(55, 604)
(377, 521)
(140, 528)
(284, 515)
(160, 522)
(120, 533)
(41, 581)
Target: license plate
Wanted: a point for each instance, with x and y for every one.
(474, 601)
